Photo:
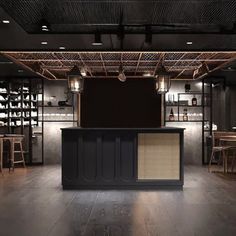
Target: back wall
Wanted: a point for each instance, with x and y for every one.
(111, 103)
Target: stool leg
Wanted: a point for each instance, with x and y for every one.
(22, 154)
(1, 155)
(11, 155)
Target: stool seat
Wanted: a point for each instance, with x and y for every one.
(13, 135)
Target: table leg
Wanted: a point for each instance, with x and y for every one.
(224, 161)
(11, 155)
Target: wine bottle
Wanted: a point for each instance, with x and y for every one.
(194, 101)
(171, 116)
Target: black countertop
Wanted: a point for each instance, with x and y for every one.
(164, 128)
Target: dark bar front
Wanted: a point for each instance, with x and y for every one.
(97, 158)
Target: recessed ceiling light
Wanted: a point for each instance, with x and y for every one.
(5, 21)
(189, 43)
(97, 44)
(62, 48)
(20, 71)
(44, 43)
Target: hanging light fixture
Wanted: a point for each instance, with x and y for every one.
(162, 81)
(75, 80)
(121, 76)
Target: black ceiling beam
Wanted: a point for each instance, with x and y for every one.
(138, 32)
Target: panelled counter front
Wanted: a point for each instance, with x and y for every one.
(127, 158)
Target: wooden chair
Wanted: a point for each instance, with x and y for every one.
(219, 148)
(15, 139)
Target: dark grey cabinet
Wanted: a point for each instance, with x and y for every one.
(106, 158)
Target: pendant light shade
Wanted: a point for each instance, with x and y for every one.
(162, 80)
(75, 80)
(121, 76)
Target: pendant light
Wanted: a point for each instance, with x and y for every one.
(162, 80)
(121, 76)
(75, 80)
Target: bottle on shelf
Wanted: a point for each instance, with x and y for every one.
(194, 101)
(171, 116)
(185, 115)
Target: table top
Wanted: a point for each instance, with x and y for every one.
(226, 137)
(232, 139)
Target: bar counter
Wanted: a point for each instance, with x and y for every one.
(122, 158)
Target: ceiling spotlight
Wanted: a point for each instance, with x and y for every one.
(45, 26)
(121, 76)
(62, 48)
(20, 71)
(44, 42)
(5, 21)
(148, 35)
(75, 80)
(97, 40)
(147, 74)
(189, 43)
(83, 71)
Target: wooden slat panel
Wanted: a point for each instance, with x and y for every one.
(158, 156)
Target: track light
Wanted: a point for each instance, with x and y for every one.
(121, 76)
(148, 35)
(83, 71)
(97, 40)
(45, 26)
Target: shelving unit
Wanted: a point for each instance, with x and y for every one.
(199, 114)
(197, 111)
(19, 106)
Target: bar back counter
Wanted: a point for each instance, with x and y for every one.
(122, 158)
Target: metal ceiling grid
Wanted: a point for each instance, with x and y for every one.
(181, 65)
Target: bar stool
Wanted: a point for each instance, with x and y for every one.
(1, 152)
(15, 139)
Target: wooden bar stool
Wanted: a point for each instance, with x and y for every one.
(15, 139)
(1, 152)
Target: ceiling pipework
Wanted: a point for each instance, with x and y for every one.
(180, 65)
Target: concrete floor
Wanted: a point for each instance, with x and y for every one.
(32, 203)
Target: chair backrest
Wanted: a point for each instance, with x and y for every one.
(216, 135)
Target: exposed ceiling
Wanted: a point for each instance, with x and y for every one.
(210, 26)
(130, 16)
(181, 65)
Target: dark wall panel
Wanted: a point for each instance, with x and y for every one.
(111, 103)
(108, 157)
(89, 155)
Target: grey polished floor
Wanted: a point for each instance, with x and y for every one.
(32, 203)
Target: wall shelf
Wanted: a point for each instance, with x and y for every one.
(200, 114)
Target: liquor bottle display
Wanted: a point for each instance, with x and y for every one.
(171, 116)
(185, 115)
(194, 101)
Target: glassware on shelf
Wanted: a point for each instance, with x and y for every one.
(185, 115)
